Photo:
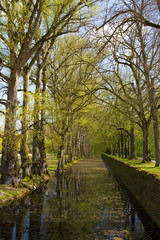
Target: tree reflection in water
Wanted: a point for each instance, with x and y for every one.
(84, 202)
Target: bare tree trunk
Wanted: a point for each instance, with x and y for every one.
(82, 137)
(60, 159)
(146, 154)
(114, 149)
(79, 143)
(128, 146)
(156, 141)
(151, 92)
(119, 146)
(122, 146)
(67, 149)
(76, 142)
(132, 138)
(155, 123)
(25, 160)
(71, 147)
(61, 155)
(36, 131)
(9, 165)
(42, 148)
(126, 150)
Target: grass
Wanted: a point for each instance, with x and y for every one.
(137, 163)
(52, 163)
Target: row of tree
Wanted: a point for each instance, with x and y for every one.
(129, 76)
(29, 34)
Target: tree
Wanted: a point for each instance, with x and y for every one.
(18, 39)
(21, 21)
(69, 84)
(123, 12)
(135, 50)
(24, 152)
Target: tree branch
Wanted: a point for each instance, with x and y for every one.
(5, 77)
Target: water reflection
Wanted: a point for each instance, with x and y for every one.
(83, 203)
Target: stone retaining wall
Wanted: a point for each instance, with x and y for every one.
(145, 187)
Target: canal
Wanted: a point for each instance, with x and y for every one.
(85, 202)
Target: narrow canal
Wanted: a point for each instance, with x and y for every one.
(86, 202)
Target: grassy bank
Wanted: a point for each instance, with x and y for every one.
(8, 193)
(137, 163)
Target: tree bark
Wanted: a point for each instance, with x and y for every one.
(146, 153)
(119, 146)
(24, 152)
(60, 155)
(132, 138)
(42, 148)
(126, 149)
(151, 92)
(36, 132)
(156, 140)
(122, 146)
(114, 149)
(155, 122)
(9, 165)
(71, 147)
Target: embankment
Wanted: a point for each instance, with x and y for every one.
(144, 186)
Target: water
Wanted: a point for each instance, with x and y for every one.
(83, 203)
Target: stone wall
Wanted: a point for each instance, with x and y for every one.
(145, 187)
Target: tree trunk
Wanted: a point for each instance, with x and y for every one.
(60, 160)
(9, 165)
(132, 138)
(25, 160)
(156, 141)
(158, 3)
(60, 155)
(82, 149)
(36, 132)
(71, 147)
(155, 122)
(146, 154)
(122, 146)
(68, 149)
(77, 142)
(42, 148)
(151, 91)
(126, 149)
(114, 149)
(119, 146)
